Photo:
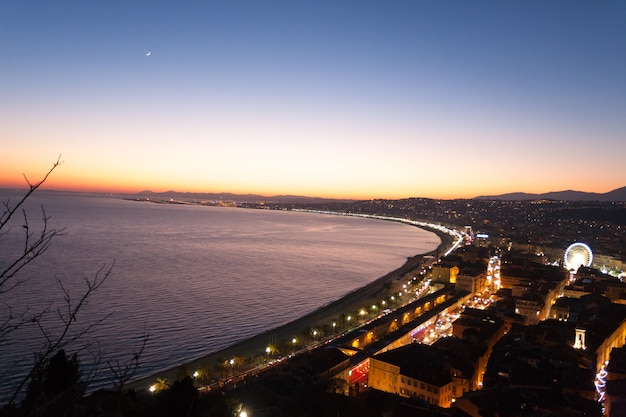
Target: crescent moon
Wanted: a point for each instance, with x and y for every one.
(148, 53)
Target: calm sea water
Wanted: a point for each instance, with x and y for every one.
(196, 278)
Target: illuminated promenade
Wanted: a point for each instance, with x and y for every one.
(329, 322)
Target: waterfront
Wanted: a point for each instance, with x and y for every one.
(198, 279)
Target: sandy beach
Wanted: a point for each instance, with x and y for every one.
(256, 345)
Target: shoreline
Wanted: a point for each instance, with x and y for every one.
(255, 346)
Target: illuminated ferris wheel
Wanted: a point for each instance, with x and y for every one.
(576, 255)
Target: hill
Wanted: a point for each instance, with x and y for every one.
(568, 195)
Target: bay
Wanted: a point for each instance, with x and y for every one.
(195, 278)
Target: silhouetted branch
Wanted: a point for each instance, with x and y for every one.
(68, 317)
(55, 334)
(34, 244)
(10, 211)
(122, 374)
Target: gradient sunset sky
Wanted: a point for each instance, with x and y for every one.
(349, 99)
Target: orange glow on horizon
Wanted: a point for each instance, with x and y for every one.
(127, 187)
(78, 177)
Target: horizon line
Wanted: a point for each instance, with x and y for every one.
(146, 191)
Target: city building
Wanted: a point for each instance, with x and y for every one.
(416, 370)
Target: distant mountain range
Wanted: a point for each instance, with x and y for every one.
(569, 195)
(177, 195)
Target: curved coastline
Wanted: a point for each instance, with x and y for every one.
(255, 345)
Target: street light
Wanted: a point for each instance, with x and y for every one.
(314, 334)
(293, 342)
(267, 351)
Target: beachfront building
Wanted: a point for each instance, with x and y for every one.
(402, 327)
(413, 371)
(414, 315)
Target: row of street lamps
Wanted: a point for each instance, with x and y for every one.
(374, 309)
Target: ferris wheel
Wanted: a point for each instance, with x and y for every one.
(576, 255)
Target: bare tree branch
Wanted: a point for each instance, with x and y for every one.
(34, 245)
(123, 373)
(56, 334)
(68, 317)
(10, 211)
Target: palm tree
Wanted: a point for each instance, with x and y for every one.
(203, 373)
(271, 350)
(161, 384)
(238, 361)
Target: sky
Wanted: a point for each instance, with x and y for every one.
(338, 99)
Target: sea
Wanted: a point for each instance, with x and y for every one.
(195, 279)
